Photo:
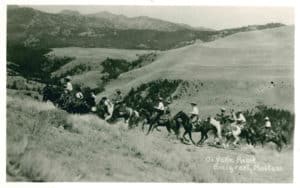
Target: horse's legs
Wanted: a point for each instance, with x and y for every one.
(183, 136)
(279, 146)
(203, 138)
(190, 135)
(199, 142)
(150, 127)
(154, 127)
(236, 139)
(168, 128)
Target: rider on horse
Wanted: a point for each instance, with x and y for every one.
(268, 126)
(167, 110)
(239, 119)
(160, 109)
(68, 85)
(238, 125)
(222, 117)
(194, 118)
(118, 100)
(109, 106)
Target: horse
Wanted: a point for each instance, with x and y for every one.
(204, 127)
(229, 129)
(145, 118)
(171, 123)
(131, 116)
(110, 114)
(70, 103)
(52, 93)
(174, 123)
(278, 138)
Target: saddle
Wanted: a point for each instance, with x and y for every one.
(163, 118)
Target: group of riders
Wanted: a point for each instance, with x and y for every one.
(117, 104)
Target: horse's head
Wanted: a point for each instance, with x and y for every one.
(181, 115)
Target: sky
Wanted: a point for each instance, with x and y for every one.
(205, 16)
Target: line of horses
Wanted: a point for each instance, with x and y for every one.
(224, 134)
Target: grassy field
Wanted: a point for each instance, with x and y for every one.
(47, 144)
(247, 69)
(239, 71)
(91, 57)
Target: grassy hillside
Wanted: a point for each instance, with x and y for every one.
(47, 144)
(246, 68)
(89, 60)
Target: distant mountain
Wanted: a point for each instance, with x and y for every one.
(70, 12)
(31, 27)
(142, 23)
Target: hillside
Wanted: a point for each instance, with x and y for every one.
(91, 59)
(68, 29)
(238, 68)
(141, 22)
(106, 30)
(47, 144)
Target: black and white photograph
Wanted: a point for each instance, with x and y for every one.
(156, 94)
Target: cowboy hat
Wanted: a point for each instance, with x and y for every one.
(68, 77)
(223, 109)
(267, 118)
(160, 98)
(193, 103)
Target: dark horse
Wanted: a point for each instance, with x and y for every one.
(52, 93)
(68, 101)
(203, 127)
(278, 138)
(174, 123)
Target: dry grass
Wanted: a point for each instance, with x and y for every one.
(88, 149)
(230, 71)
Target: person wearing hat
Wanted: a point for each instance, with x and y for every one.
(239, 118)
(268, 125)
(68, 86)
(222, 117)
(118, 99)
(167, 109)
(194, 114)
(160, 108)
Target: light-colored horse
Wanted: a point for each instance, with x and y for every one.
(130, 115)
(218, 126)
(235, 130)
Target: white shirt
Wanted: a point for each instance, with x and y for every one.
(241, 118)
(69, 86)
(268, 124)
(161, 106)
(195, 110)
(107, 103)
(79, 95)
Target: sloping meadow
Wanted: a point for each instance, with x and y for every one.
(47, 144)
